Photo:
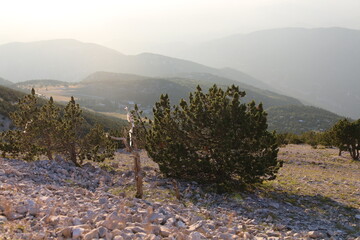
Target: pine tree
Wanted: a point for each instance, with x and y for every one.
(96, 146)
(48, 127)
(48, 130)
(346, 136)
(213, 138)
(70, 129)
(22, 140)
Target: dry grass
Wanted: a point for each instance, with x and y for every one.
(117, 115)
(58, 93)
(315, 172)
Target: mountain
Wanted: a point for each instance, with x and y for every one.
(320, 66)
(71, 60)
(4, 82)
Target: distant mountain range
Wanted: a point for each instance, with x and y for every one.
(72, 61)
(104, 79)
(319, 66)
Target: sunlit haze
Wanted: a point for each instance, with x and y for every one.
(140, 25)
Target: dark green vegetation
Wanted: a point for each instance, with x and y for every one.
(346, 136)
(213, 138)
(8, 99)
(41, 83)
(298, 119)
(48, 130)
(312, 138)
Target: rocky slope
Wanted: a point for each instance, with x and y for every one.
(56, 200)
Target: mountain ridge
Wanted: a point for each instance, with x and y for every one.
(319, 65)
(72, 60)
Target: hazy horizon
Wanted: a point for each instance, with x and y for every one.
(138, 26)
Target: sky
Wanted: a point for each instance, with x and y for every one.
(133, 26)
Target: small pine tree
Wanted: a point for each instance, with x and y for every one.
(346, 136)
(96, 146)
(70, 125)
(22, 141)
(213, 138)
(45, 130)
(48, 127)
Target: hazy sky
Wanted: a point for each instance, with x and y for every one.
(136, 25)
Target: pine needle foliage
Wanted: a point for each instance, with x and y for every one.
(48, 130)
(213, 138)
(346, 136)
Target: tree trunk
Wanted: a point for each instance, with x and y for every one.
(49, 155)
(176, 189)
(354, 152)
(138, 175)
(73, 155)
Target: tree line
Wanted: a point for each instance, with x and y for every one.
(345, 135)
(48, 130)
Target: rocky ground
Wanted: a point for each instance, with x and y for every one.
(316, 196)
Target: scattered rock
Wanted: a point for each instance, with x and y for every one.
(92, 235)
(315, 234)
(164, 231)
(60, 201)
(76, 232)
(196, 236)
(3, 219)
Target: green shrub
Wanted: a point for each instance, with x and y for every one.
(346, 136)
(213, 138)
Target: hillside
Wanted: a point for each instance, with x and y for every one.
(9, 98)
(298, 119)
(315, 196)
(4, 82)
(71, 61)
(318, 65)
(111, 92)
(40, 83)
(125, 88)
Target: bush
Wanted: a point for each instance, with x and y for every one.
(213, 138)
(312, 138)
